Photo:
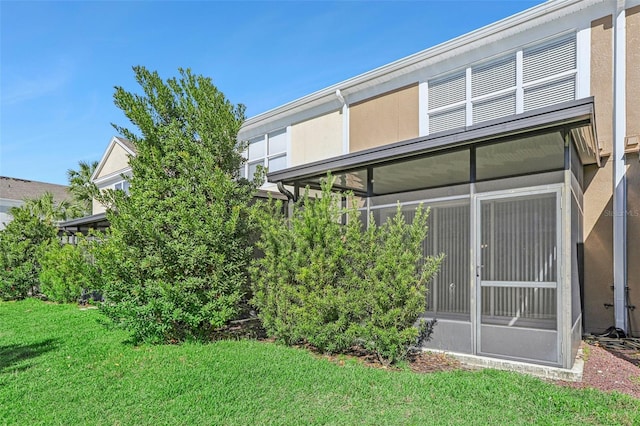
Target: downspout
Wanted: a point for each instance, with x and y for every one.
(345, 121)
(284, 191)
(619, 172)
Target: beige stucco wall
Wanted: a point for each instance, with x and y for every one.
(387, 118)
(633, 240)
(117, 160)
(98, 208)
(598, 246)
(633, 71)
(602, 79)
(317, 138)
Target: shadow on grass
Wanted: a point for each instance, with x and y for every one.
(11, 355)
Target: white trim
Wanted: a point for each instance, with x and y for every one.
(448, 107)
(520, 284)
(583, 63)
(423, 107)
(288, 142)
(345, 128)
(531, 190)
(427, 202)
(468, 95)
(492, 95)
(519, 81)
(619, 181)
(111, 176)
(541, 81)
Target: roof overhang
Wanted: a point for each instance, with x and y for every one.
(84, 224)
(579, 114)
(99, 221)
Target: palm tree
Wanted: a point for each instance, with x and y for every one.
(81, 187)
(46, 208)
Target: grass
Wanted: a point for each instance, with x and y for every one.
(58, 365)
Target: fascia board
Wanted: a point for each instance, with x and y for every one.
(552, 116)
(115, 176)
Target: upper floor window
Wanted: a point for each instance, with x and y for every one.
(269, 151)
(534, 77)
(122, 186)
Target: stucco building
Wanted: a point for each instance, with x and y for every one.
(523, 138)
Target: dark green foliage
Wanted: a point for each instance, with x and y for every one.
(19, 245)
(335, 285)
(67, 270)
(175, 257)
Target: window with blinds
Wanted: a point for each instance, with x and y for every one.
(549, 59)
(493, 77)
(547, 77)
(447, 91)
(494, 108)
(269, 151)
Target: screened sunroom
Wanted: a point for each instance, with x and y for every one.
(506, 210)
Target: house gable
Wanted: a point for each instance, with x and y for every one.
(115, 160)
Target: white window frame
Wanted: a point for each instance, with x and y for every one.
(518, 89)
(263, 160)
(122, 185)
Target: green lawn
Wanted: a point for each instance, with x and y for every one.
(58, 365)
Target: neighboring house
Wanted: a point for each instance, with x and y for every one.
(113, 172)
(14, 191)
(523, 138)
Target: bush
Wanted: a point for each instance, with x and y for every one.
(175, 257)
(335, 285)
(67, 271)
(19, 245)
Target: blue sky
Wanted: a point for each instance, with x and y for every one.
(59, 61)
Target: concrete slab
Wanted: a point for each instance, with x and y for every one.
(551, 373)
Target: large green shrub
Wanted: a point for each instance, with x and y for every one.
(67, 270)
(20, 242)
(176, 254)
(335, 285)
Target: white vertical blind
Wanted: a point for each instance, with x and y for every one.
(549, 93)
(494, 108)
(493, 77)
(519, 239)
(549, 59)
(256, 148)
(447, 120)
(277, 142)
(447, 91)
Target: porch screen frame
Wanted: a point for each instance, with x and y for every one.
(559, 190)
